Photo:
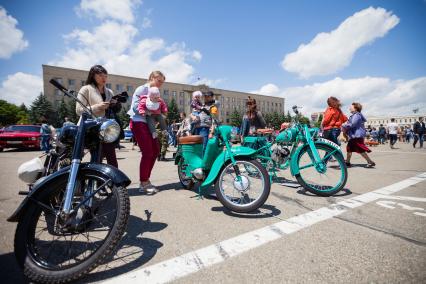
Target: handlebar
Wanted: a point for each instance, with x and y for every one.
(70, 94)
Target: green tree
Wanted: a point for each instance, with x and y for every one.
(72, 115)
(236, 118)
(62, 111)
(8, 113)
(319, 121)
(23, 114)
(303, 119)
(124, 117)
(268, 119)
(288, 117)
(41, 107)
(173, 113)
(276, 122)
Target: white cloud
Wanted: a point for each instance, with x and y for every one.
(11, 38)
(379, 96)
(330, 52)
(21, 88)
(197, 55)
(114, 45)
(146, 23)
(267, 90)
(120, 10)
(209, 82)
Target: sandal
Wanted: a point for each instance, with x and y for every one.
(372, 165)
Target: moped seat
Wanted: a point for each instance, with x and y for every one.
(264, 131)
(193, 139)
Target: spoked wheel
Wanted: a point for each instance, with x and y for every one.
(184, 180)
(243, 187)
(326, 180)
(53, 250)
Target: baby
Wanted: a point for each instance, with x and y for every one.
(153, 107)
(196, 107)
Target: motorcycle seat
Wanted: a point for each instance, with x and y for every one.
(193, 139)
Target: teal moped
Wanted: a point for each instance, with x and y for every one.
(237, 188)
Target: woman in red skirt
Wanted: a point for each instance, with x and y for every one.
(355, 130)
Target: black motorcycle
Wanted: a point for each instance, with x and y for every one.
(73, 218)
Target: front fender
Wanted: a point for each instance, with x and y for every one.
(118, 178)
(237, 151)
(294, 167)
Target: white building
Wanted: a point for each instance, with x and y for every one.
(404, 120)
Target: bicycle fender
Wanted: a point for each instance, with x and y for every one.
(118, 178)
(238, 151)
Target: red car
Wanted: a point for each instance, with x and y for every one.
(20, 136)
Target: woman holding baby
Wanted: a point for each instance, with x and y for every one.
(146, 109)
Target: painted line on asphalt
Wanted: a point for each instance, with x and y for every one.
(194, 261)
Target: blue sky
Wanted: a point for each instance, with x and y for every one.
(237, 45)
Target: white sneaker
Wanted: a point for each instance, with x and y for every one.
(148, 189)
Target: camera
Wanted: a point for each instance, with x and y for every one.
(121, 98)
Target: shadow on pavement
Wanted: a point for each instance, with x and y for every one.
(133, 252)
(343, 192)
(271, 211)
(10, 271)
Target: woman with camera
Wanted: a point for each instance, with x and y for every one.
(101, 100)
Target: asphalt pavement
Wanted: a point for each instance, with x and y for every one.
(380, 239)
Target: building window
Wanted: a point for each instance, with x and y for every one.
(181, 102)
(119, 87)
(108, 85)
(83, 83)
(227, 120)
(181, 94)
(71, 82)
(129, 89)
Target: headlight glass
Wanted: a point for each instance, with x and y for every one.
(109, 131)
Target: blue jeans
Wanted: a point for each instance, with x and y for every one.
(45, 145)
(418, 137)
(203, 131)
(333, 135)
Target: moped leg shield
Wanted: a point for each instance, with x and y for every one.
(238, 151)
(117, 177)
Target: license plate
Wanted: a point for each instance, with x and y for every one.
(14, 142)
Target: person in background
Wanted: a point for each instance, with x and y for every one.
(196, 106)
(175, 129)
(419, 132)
(333, 120)
(148, 145)
(96, 96)
(375, 134)
(392, 128)
(382, 134)
(185, 126)
(355, 130)
(67, 122)
(408, 134)
(163, 139)
(46, 133)
(205, 127)
(252, 120)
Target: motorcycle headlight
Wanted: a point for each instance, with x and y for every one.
(109, 131)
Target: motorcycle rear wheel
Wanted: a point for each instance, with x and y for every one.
(50, 255)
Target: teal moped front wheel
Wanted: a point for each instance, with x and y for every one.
(326, 179)
(242, 190)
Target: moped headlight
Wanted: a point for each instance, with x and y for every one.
(109, 131)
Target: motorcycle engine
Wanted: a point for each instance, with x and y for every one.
(280, 154)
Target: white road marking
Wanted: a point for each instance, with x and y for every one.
(386, 204)
(194, 261)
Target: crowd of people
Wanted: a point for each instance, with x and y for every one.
(152, 134)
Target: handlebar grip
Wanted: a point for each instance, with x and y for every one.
(58, 85)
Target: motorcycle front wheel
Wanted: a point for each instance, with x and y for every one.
(323, 183)
(51, 250)
(243, 187)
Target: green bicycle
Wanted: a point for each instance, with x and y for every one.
(317, 164)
